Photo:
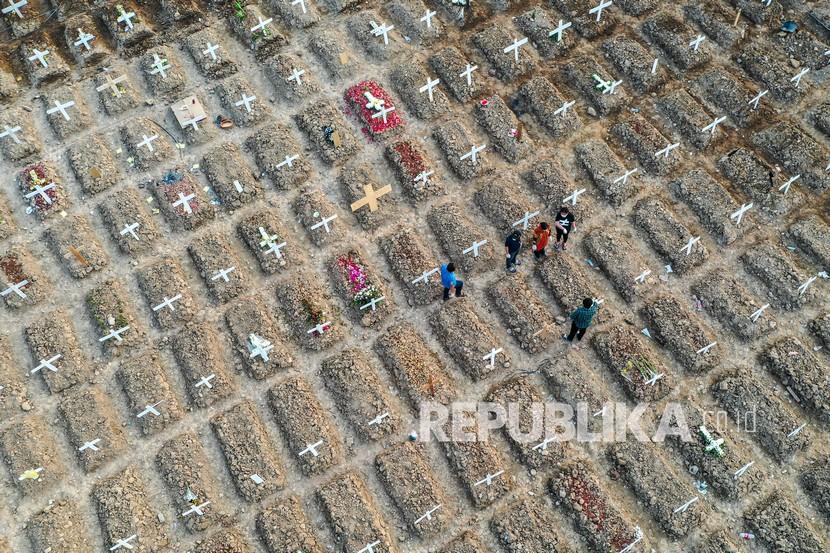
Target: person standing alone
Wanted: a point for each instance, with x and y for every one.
(581, 319)
(511, 248)
(565, 224)
(449, 281)
(541, 237)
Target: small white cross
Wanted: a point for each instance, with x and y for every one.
(473, 153)
(598, 9)
(543, 445)
(370, 548)
(11, 132)
(61, 108)
(210, 50)
(16, 289)
(115, 333)
(563, 109)
(320, 328)
(93, 445)
(260, 347)
(695, 44)
(223, 274)
(667, 150)
(378, 419)
(384, 111)
(754, 317)
(125, 17)
(147, 141)
(378, 30)
(525, 220)
(713, 126)
(246, 101)
(14, 7)
(757, 99)
(84, 38)
(301, 3)
(624, 178)
(468, 74)
(275, 249)
(159, 65)
(686, 505)
(425, 276)
(296, 75)
(427, 18)
(641, 278)
(168, 302)
(559, 30)
(289, 160)
(797, 78)
(573, 197)
(323, 223)
(515, 48)
(739, 215)
(112, 84)
(428, 87)
(688, 247)
(423, 176)
(184, 201)
(653, 380)
(312, 448)
(194, 121)
(198, 509)
(205, 381)
(741, 471)
(261, 25)
(786, 186)
(427, 515)
(39, 190)
(797, 430)
(125, 543)
(491, 357)
(47, 365)
(372, 303)
(706, 348)
(807, 283)
(474, 248)
(150, 409)
(39, 55)
(488, 479)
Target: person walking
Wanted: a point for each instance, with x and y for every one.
(565, 224)
(541, 237)
(449, 281)
(581, 319)
(512, 245)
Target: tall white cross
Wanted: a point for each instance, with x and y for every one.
(115, 333)
(301, 4)
(14, 7)
(558, 31)
(246, 101)
(525, 220)
(159, 65)
(184, 202)
(205, 381)
(468, 74)
(125, 543)
(686, 505)
(112, 84)
(797, 78)
(147, 141)
(38, 190)
(695, 44)
(381, 30)
(474, 248)
(491, 357)
(168, 303)
(573, 197)
(713, 126)
(324, 222)
(296, 75)
(198, 509)
(223, 274)
(598, 9)
(210, 50)
(688, 247)
(372, 304)
(47, 364)
(125, 17)
(473, 153)
(93, 445)
(667, 150)
(16, 289)
(807, 283)
(289, 160)
(427, 18)
(39, 55)
(150, 410)
(427, 515)
(563, 109)
(384, 111)
(11, 132)
(488, 479)
(786, 186)
(739, 215)
(312, 448)
(431, 83)
(130, 229)
(425, 276)
(261, 25)
(757, 98)
(61, 108)
(84, 39)
(517, 43)
(624, 178)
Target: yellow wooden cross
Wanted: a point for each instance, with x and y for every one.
(371, 198)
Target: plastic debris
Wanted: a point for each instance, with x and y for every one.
(789, 26)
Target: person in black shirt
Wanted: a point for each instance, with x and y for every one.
(565, 224)
(511, 248)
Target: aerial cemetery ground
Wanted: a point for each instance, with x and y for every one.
(221, 231)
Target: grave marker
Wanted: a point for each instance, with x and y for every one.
(31, 474)
(705, 349)
(246, 101)
(559, 30)
(14, 7)
(543, 445)
(688, 247)
(184, 201)
(739, 215)
(525, 220)
(223, 274)
(695, 44)
(370, 548)
(563, 109)
(803, 288)
(641, 278)
(210, 50)
(324, 222)
(381, 30)
(638, 536)
(93, 445)
(515, 48)
(147, 141)
(786, 186)
(796, 431)
(384, 111)
(468, 74)
(159, 65)
(431, 84)
(423, 176)
(112, 84)
(797, 78)
(16, 289)
(289, 160)
(275, 249)
(378, 419)
(488, 479)
(168, 302)
(474, 248)
(491, 357)
(371, 198)
(312, 448)
(741, 471)
(427, 18)
(150, 409)
(713, 126)
(425, 276)
(48, 364)
(372, 303)
(205, 381)
(61, 108)
(261, 26)
(39, 55)
(41, 191)
(624, 178)
(260, 347)
(115, 334)
(473, 153)
(754, 317)
(598, 9)
(198, 509)
(667, 150)
(11, 132)
(573, 197)
(654, 65)
(125, 17)
(757, 98)
(427, 515)
(125, 543)
(319, 329)
(296, 75)
(84, 39)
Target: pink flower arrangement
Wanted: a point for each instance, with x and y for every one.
(367, 98)
(362, 290)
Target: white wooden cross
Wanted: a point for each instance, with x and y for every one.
(624, 178)
(425, 276)
(807, 283)
(84, 38)
(115, 333)
(48, 364)
(372, 303)
(427, 18)
(739, 215)
(558, 31)
(427, 515)
(125, 17)
(263, 23)
(488, 479)
(296, 75)
(210, 50)
(39, 190)
(474, 248)
(324, 222)
(61, 108)
(289, 160)
(184, 202)
(754, 317)
(16, 289)
(473, 153)
(223, 274)
(573, 197)
(275, 248)
(205, 381)
(238, 186)
(713, 126)
(198, 509)
(667, 150)
(379, 419)
(93, 445)
(11, 132)
(423, 176)
(381, 30)
(150, 410)
(543, 445)
(168, 303)
(598, 9)
(741, 471)
(147, 141)
(797, 78)
(159, 65)
(370, 547)
(641, 278)
(797, 430)
(517, 43)
(653, 380)
(786, 186)
(686, 505)
(125, 543)
(491, 357)
(320, 328)
(688, 247)
(260, 347)
(301, 4)
(384, 111)
(525, 220)
(312, 448)
(14, 7)
(194, 122)
(695, 44)
(706, 348)
(431, 83)
(563, 109)
(112, 84)
(39, 55)
(246, 101)
(468, 74)
(757, 98)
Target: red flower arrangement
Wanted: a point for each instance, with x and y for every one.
(38, 174)
(371, 94)
(411, 159)
(12, 268)
(171, 192)
(361, 289)
(595, 509)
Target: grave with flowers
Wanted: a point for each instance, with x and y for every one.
(40, 187)
(373, 106)
(361, 286)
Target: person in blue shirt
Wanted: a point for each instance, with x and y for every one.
(449, 281)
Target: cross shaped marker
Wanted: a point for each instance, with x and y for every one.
(323, 223)
(275, 249)
(741, 471)
(517, 43)
(246, 101)
(739, 215)
(312, 448)
(371, 198)
(427, 18)
(159, 65)
(474, 248)
(115, 333)
(301, 4)
(757, 99)
(296, 75)
(210, 50)
(563, 109)
(688, 247)
(797, 78)
(205, 381)
(11, 132)
(525, 220)
(372, 303)
(573, 197)
(653, 380)
(61, 108)
(198, 509)
(14, 7)
(126, 18)
(423, 176)
(713, 126)
(16, 289)
(754, 317)
(797, 431)
(667, 150)
(320, 328)
(379, 419)
(706, 348)
(488, 479)
(112, 84)
(431, 83)
(378, 30)
(425, 276)
(370, 548)
(473, 153)
(641, 278)
(686, 505)
(125, 543)
(48, 364)
(786, 186)
(223, 274)
(427, 515)
(93, 445)
(39, 55)
(260, 347)
(289, 160)
(194, 122)
(184, 202)
(150, 410)
(491, 357)
(558, 31)
(168, 302)
(695, 44)
(543, 445)
(598, 9)
(261, 26)
(624, 178)
(147, 141)
(384, 111)
(807, 283)
(84, 39)
(38, 190)
(468, 73)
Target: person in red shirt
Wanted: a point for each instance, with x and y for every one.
(541, 237)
